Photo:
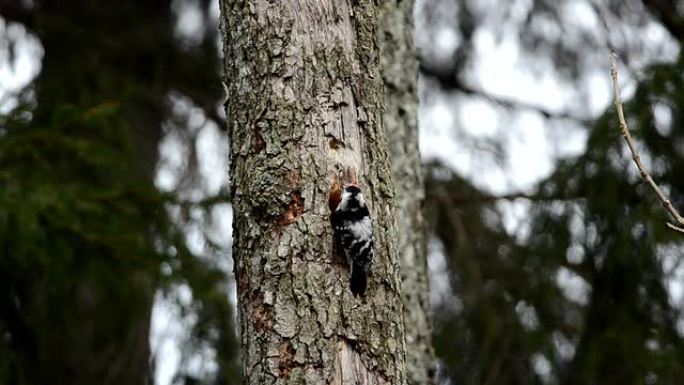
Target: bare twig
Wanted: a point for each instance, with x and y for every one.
(679, 226)
(675, 228)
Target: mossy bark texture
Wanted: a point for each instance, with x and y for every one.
(400, 74)
(306, 99)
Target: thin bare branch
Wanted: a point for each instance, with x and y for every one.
(675, 228)
(635, 153)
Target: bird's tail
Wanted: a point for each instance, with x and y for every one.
(359, 280)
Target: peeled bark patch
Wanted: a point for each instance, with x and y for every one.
(294, 209)
(306, 98)
(349, 368)
(285, 359)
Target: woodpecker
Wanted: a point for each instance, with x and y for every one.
(353, 231)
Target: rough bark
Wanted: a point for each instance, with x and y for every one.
(400, 74)
(305, 98)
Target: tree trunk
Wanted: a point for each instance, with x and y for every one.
(306, 99)
(400, 73)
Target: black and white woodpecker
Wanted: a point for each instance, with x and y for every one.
(353, 231)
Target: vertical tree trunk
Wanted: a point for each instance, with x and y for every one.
(305, 99)
(400, 73)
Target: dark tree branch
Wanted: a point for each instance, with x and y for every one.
(463, 199)
(666, 12)
(207, 103)
(17, 11)
(448, 79)
(202, 87)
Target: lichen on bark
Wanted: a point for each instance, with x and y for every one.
(306, 98)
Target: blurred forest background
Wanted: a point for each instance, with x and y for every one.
(550, 260)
